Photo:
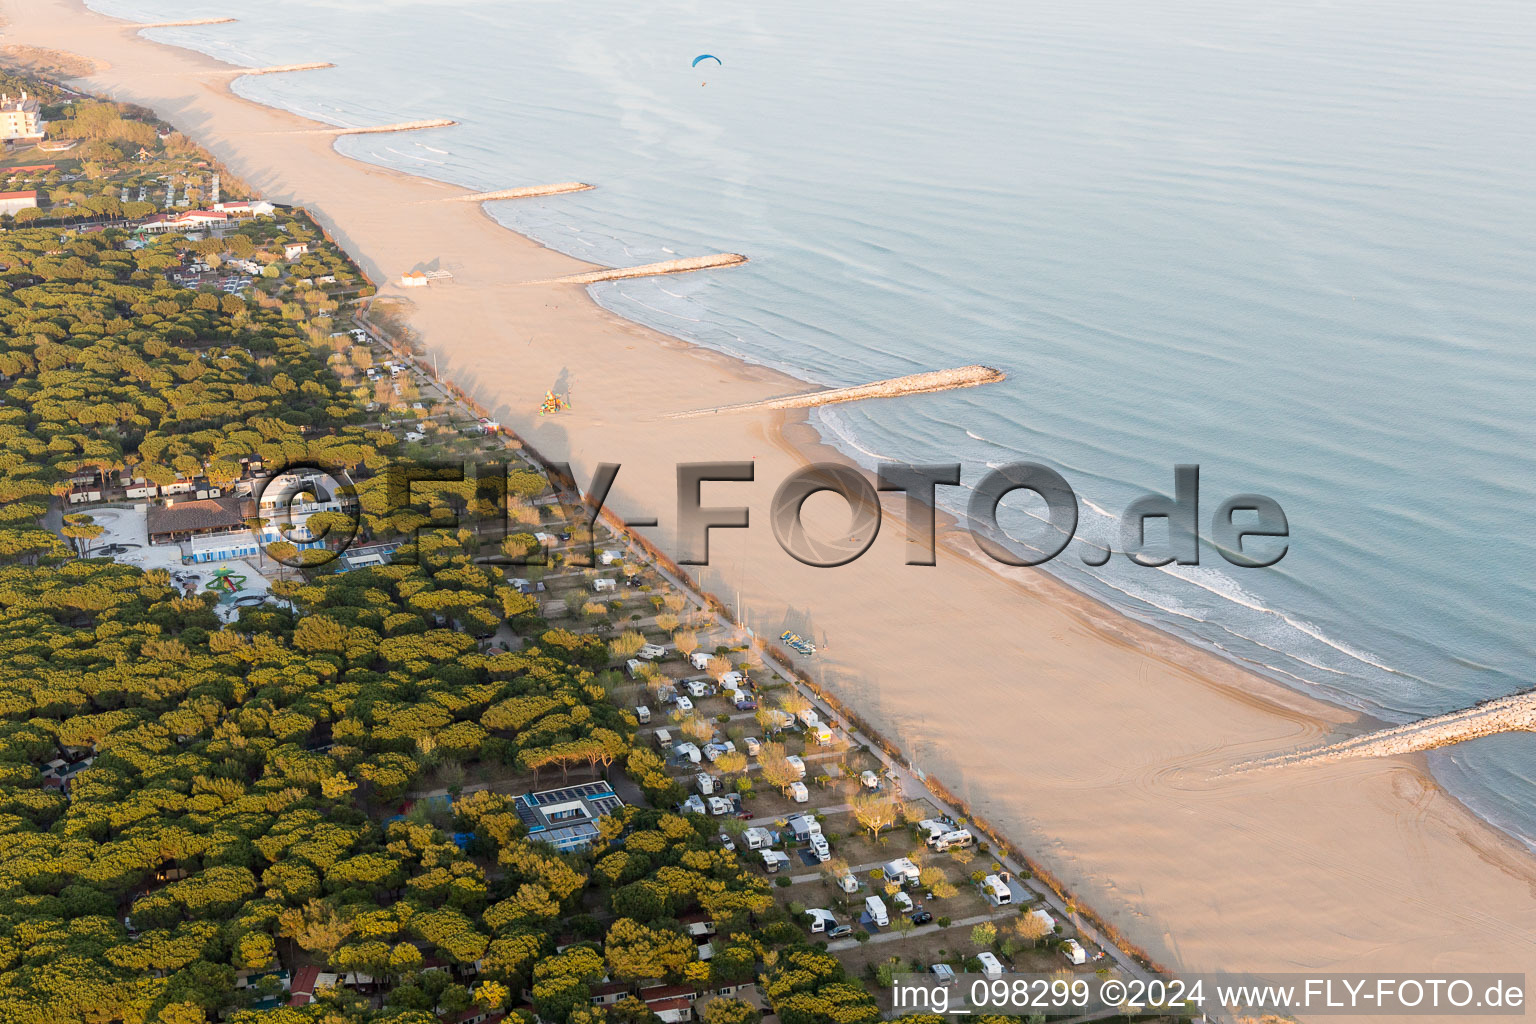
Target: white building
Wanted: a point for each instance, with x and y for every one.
(14, 202)
(20, 118)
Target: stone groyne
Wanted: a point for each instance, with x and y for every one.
(1516, 713)
(403, 126)
(678, 266)
(525, 192)
(912, 384)
(278, 69)
(181, 24)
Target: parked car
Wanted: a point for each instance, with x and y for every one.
(746, 704)
(840, 931)
(725, 843)
(922, 917)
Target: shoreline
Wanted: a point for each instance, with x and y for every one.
(1264, 699)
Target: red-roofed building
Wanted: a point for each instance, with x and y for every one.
(672, 1011)
(303, 987)
(12, 202)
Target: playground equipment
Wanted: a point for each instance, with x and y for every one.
(554, 403)
(227, 580)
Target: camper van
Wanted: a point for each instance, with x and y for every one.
(650, 652)
(991, 966)
(798, 793)
(902, 870)
(693, 805)
(823, 734)
(706, 783)
(696, 687)
(848, 883)
(809, 718)
(663, 739)
(1074, 952)
(952, 840)
(797, 764)
(633, 667)
(700, 660)
(821, 920)
(874, 906)
(820, 849)
(719, 806)
(773, 860)
(753, 745)
(642, 714)
(996, 891)
(869, 780)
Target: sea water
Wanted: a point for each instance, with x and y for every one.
(1290, 243)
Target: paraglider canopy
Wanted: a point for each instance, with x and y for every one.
(707, 56)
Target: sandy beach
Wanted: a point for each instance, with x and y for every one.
(1096, 744)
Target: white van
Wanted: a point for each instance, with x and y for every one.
(991, 966)
(798, 793)
(633, 667)
(821, 920)
(696, 687)
(874, 906)
(707, 783)
(718, 805)
(642, 714)
(1075, 953)
(809, 717)
(848, 883)
(823, 734)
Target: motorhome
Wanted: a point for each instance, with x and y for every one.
(996, 891)
(823, 734)
(902, 870)
(700, 660)
(809, 717)
(848, 883)
(991, 966)
(774, 860)
(821, 920)
(869, 780)
(663, 739)
(642, 714)
(696, 687)
(753, 745)
(633, 667)
(820, 848)
(874, 906)
(706, 783)
(687, 752)
(719, 806)
(797, 764)
(798, 793)
(1074, 952)
(650, 652)
(933, 827)
(952, 840)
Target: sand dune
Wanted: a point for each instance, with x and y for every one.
(1099, 745)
